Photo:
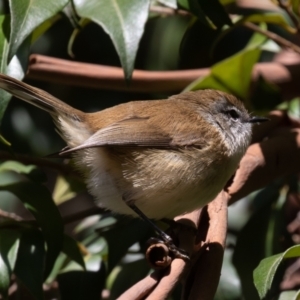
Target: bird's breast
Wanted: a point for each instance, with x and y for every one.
(162, 183)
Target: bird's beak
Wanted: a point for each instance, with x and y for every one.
(257, 120)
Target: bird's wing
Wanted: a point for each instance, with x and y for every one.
(136, 132)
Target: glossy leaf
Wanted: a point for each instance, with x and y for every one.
(9, 245)
(26, 15)
(31, 261)
(265, 272)
(38, 201)
(123, 21)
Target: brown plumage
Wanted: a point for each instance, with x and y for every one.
(167, 157)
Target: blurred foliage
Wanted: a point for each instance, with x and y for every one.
(104, 254)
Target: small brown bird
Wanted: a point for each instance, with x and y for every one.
(158, 158)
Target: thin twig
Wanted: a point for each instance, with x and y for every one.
(273, 36)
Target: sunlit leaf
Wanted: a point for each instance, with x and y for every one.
(31, 171)
(9, 245)
(26, 15)
(231, 75)
(66, 189)
(264, 274)
(123, 21)
(38, 201)
(289, 295)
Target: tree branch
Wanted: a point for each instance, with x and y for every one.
(284, 74)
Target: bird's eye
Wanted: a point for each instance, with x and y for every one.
(233, 114)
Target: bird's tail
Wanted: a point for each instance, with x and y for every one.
(37, 97)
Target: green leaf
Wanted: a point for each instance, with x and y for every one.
(31, 171)
(289, 295)
(270, 18)
(71, 249)
(184, 4)
(66, 188)
(123, 21)
(264, 274)
(30, 262)
(231, 75)
(38, 201)
(26, 15)
(9, 245)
